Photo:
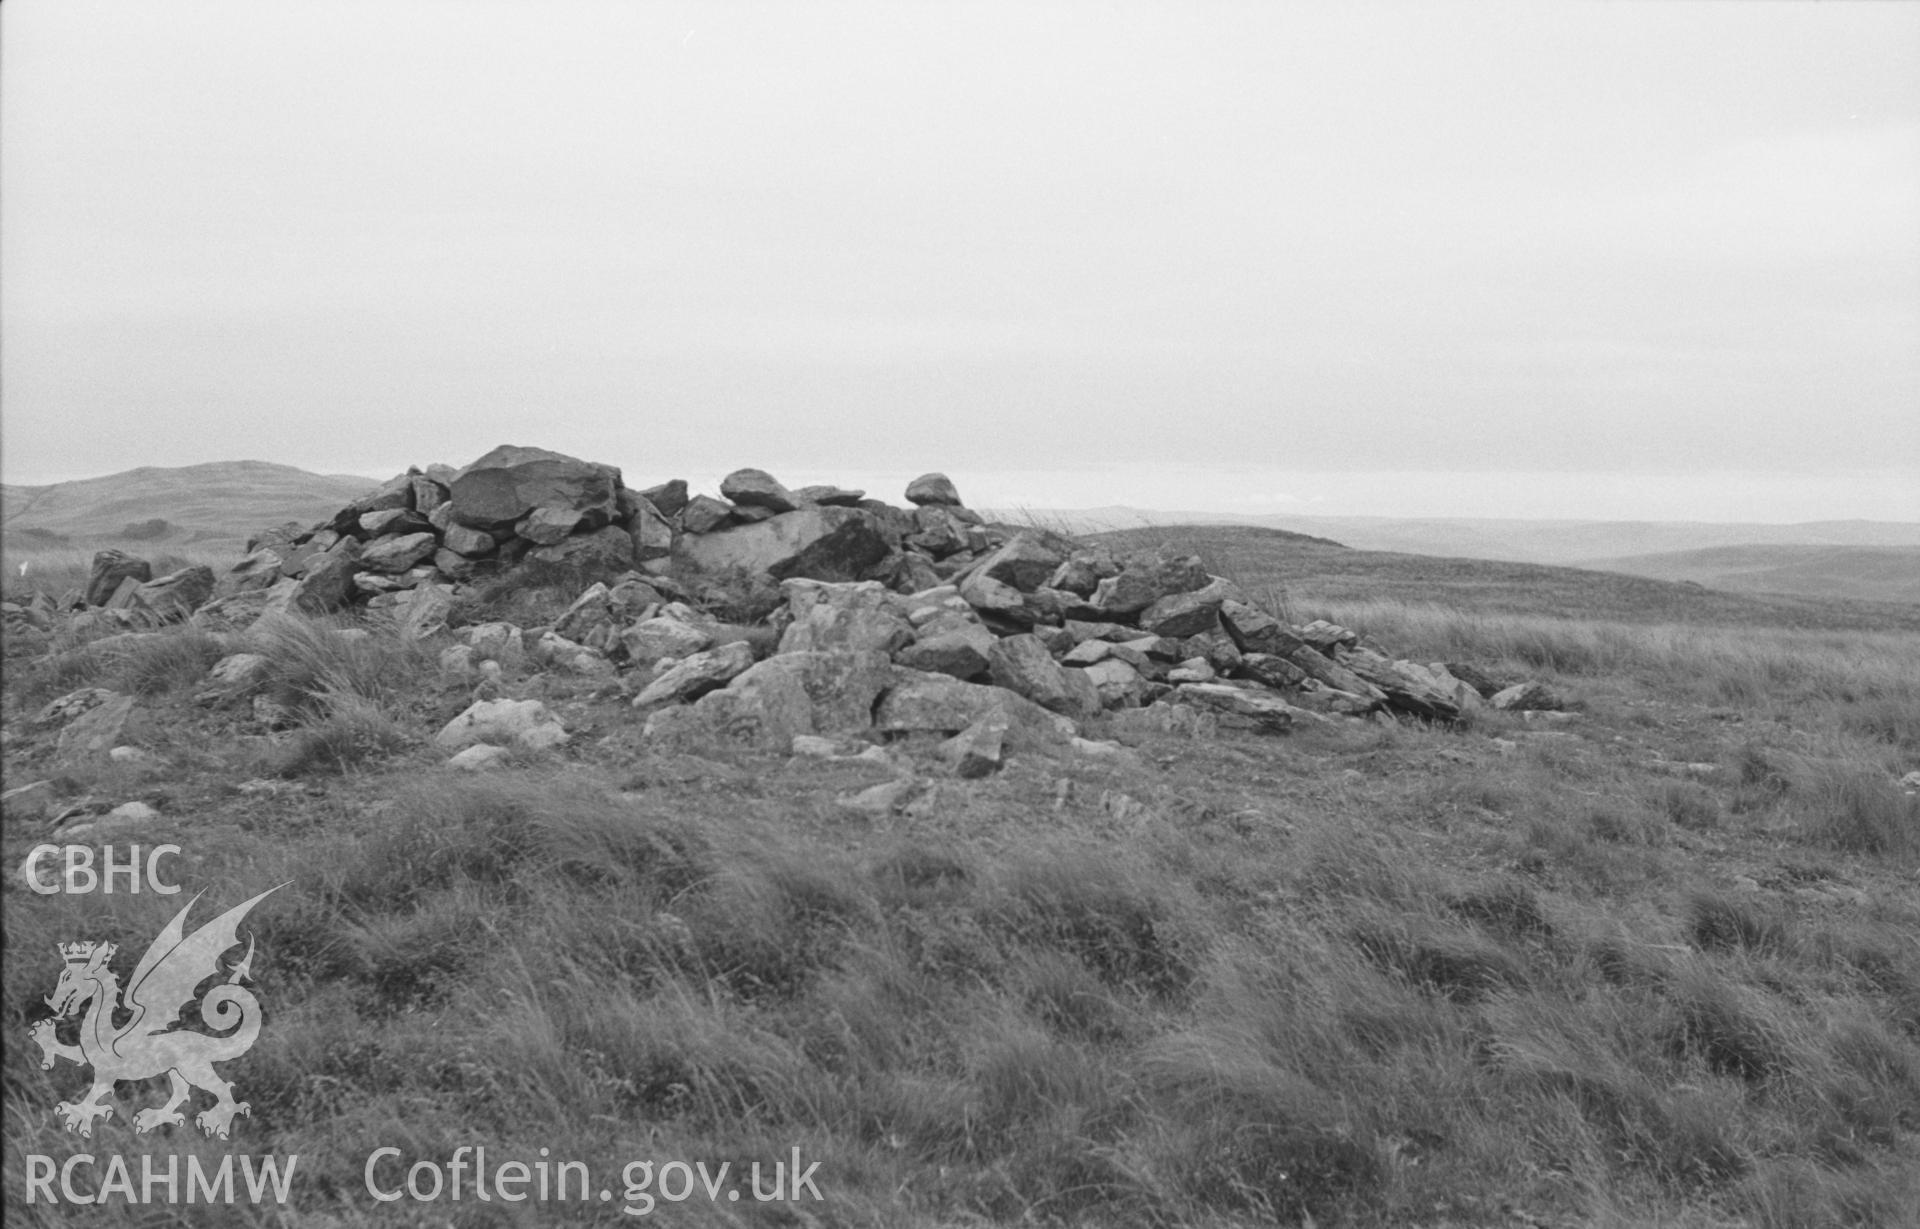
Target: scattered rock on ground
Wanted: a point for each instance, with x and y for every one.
(524, 723)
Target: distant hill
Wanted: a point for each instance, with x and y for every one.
(222, 501)
(1526, 541)
(1875, 573)
(1282, 566)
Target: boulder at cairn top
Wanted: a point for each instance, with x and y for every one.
(819, 543)
(933, 489)
(497, 490)
(704, 514)
(667, 498)
(756, 488)
(394, 493)
(831, 496)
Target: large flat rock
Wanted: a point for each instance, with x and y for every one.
(502, 487)
(836, 544)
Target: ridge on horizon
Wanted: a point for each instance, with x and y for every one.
(1259, 518)
(223, 501)
(1017, 508)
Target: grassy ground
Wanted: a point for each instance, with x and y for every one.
(1651, 966)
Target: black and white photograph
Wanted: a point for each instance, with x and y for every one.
(880, 614)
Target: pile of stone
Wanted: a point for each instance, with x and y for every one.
(1020, 644)
(895, 620)
(126, 588)
(439, 527)
(1033, 632)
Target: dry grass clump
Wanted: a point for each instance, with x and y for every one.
(148, 664)
(1857, 810)
(163, 663)
(312, 662)
(350, 732)
(1718, 922)
(353, 694)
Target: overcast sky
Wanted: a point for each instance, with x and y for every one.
(1611, 260)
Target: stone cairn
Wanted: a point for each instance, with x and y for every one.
(894, 620)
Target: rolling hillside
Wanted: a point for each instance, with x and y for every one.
(1300, 570)
(1880, 573)
(1865, 560)
(1528, 541)
(215, 502)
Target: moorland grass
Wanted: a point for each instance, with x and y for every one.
(1363, 975)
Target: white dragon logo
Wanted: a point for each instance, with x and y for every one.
(161, 988)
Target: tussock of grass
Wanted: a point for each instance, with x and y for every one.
(916, 873)
(1733, 1029)
(1798, 1194)
(438, 836)
(1891, 718)
(352, 732)
(1094, 907)
(1886, 957)
(411, 960)
(1718, 922)
(166, 663)
(1062, 992)
(310, 663)
(1858, 810)
(769, 929)
(1248, 1135)
(1506, 906)
(682, 1055)
(1688, 805)
(1437, 957)
(36, 681)
(1591, 1056)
